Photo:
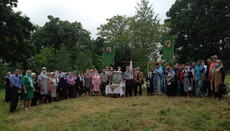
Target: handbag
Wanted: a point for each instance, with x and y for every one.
(190, 87)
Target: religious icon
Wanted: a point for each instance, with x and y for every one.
(167, 43)
(108, 50)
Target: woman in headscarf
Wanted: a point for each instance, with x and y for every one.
(43, 82)
(27, 89)
(36, 91)
(7, 86)
(88, 81)
(63, 86)
(53, 86)
(96, 81)
(219, 76)
(187, 80)
(171, 82)
(71, 85)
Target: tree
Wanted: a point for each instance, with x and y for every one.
(46, 58)
(62, 60)
(116, 31)
(69, 41)
(201, 27)
(140, 33)
(145, 28)
(146, 33)
(15, 31)
(57, 32)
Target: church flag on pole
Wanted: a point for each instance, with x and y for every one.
(168, 48)
(108, 54)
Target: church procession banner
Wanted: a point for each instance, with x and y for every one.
(108, 54)
(168, 48)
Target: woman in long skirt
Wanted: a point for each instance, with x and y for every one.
(96, 81)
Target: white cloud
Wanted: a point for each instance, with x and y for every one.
(91, 13)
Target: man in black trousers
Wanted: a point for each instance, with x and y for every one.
(15, 86)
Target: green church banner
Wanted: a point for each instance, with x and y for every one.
(108, 54)
(168, 48)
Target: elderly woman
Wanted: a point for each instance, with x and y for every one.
(53, 82)
(71, 85)
(43, 80)
(27, 89)
(36, 91)
(219, 76)
(88, 81)
(171, 82)
(96, 81)
(187, 80)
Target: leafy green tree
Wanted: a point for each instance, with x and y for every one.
(62, 60)
(15, 31)
(97, 52)
(46, 58)
(116, 31)
(145, 28)
(201, 26)
(140, 33)
(70, 42)
(57, 32)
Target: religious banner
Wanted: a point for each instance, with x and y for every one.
(108, 54)
(168, 48)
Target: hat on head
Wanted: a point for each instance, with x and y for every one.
(43, 68)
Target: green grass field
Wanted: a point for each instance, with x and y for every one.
(135, 113)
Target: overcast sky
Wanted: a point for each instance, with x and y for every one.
(91, 13)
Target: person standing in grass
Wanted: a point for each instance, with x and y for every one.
(53, 82)
(27, 89)
(198, 72)
(179, 77)
(171, 82)
(138, 80)
(219, 76)
(211, 75)
(207, 78)
(96, 82)
(15, 87)
(88, 82)
(104, 81)
(158, 79)
(149, 84)
(71, 85)
(44, 85)
(63, 87)
(7, 87)
(36, 91)
(187, 80)
(80, 83)
(128, 75)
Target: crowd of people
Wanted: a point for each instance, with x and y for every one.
(187, 80)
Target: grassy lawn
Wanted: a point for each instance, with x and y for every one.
(135, 113)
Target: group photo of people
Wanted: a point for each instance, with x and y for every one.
(196, 79)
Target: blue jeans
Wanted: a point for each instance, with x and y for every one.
(199, 87)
